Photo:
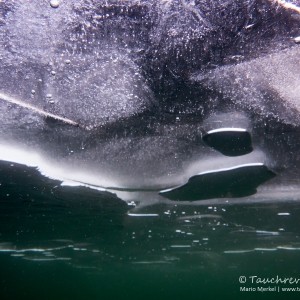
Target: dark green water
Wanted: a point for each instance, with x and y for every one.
(75, 243)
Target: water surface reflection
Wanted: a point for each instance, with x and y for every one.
(51, 234)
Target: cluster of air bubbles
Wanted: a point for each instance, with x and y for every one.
(212, 207)
(49, 98)
(54, 3)
(183, 232)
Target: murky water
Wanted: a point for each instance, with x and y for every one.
(75, 243)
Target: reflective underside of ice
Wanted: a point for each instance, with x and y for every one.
(120, 96)
(239, 181)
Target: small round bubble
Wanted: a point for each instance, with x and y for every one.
(54, 3)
